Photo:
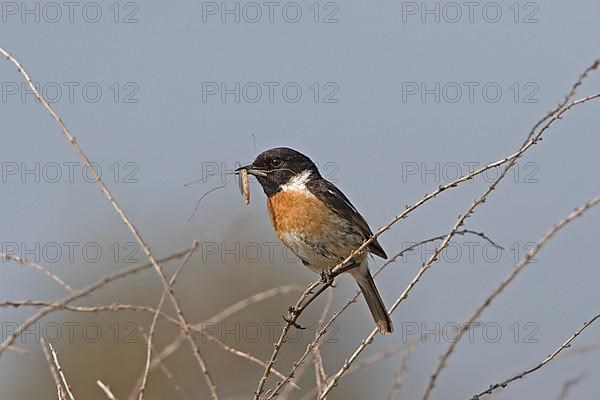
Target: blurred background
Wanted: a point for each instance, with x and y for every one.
(390, 99)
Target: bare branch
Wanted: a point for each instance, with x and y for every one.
(546, 360)
(369, 339)
(323, 330)
(113, 202)
(226, 313)
(324, 385)
(38, 267)
(58, 370)
(59, 389)
(320, 375)
(106, 390)
(533, 138)
(155, 319)
(165, 371)
(517, 269)
(255, 298)
(280, 341)
(406, 348)
(399, 375)
(80, 294)
(89, 309)
(568, 97)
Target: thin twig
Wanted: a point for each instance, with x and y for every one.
(106, 390)
(545, 361)
(255, 298)
(80, 294)
(170, 349)
(569, 96)
(509, 161)
(59, 369)
(115, 205)
(89, 309)
(320, 374)
(165, 371)
(59, 389)
(399, 375)
(488, 300)
(163, 297)
(382, 355)
(200, 327)
(482, 198)
(33, 264)
(226, 313)
(62, 304)
(277, 347)
(375, 358)
(352, 300)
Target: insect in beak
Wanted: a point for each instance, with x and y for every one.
(244, 184)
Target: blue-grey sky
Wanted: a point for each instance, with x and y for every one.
(389, 98)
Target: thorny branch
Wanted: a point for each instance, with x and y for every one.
(119, 210)
(321, 333)
(496, 292)
(312, 292)
(532, 138)
(545, 361)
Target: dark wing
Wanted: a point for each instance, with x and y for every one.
(333, 197)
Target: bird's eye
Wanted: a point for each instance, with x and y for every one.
(276, 162)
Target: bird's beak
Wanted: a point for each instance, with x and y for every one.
(251, 170)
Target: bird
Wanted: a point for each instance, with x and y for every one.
(317, 222)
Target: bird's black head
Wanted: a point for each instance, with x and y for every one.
(277, 167)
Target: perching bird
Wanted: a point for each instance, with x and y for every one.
(316, 220)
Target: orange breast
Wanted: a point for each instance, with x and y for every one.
(295, 211)
(318, 236)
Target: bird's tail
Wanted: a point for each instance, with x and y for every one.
(378, 311)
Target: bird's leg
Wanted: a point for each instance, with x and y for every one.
(327, 277)
(293, 316)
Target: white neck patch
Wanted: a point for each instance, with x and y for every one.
(297, 183)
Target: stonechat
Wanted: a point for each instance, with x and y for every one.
(316, 221)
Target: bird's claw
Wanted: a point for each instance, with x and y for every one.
(292, 322)
(327, 277)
